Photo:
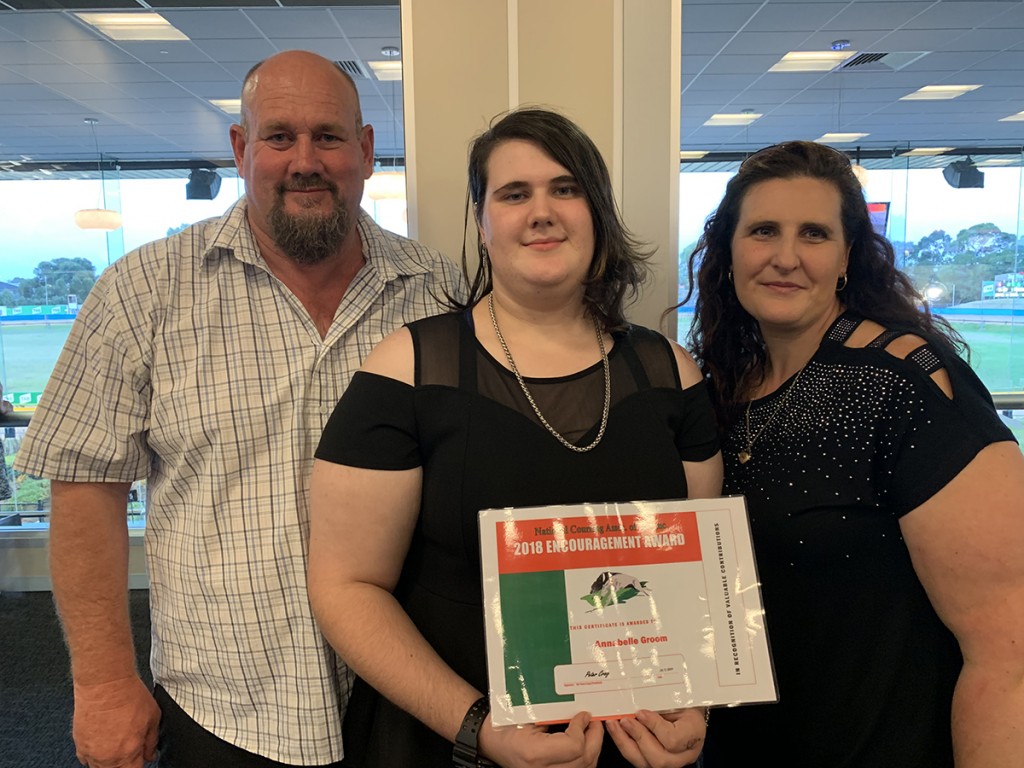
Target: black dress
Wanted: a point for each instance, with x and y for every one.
(467, 423)
(865, 668)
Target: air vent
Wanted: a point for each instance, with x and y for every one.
(880, 62)
(354, 68)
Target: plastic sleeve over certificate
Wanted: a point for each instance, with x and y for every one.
(612, 608)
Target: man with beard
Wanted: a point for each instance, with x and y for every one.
(208, 363)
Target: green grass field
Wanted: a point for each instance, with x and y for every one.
(31, 349)
(997, 353)
(29, 353)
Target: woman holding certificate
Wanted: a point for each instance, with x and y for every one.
(536, 391)
(885, 495)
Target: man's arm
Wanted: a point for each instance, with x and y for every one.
(115, 715)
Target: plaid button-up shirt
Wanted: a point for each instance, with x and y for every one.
(191, 365)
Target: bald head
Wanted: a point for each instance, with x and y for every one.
(291, 64)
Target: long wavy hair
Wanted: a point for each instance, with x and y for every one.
(618, 267)
(727, 342)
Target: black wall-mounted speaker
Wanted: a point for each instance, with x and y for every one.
(202, 184)
(963, 174)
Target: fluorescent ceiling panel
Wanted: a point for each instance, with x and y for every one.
(840, 138)
(133, 26)
(811, 61)
(692, 154)
(231, 106)
(1019, 117)
(733, 118)
(920, 151)
(939, 92)
(386, 70)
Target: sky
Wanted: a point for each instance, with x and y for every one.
(39, 218)
(42, 212)
(922, 202)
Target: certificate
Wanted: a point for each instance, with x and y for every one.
(611, 608)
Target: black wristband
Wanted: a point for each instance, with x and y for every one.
(465, 754)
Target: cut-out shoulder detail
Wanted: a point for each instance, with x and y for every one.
(862, 334)
(914, 349)
(858, 333)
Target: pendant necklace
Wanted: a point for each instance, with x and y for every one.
(529, 397)
(746, 454)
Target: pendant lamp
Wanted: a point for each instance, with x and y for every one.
(98, 218)
(386, 185)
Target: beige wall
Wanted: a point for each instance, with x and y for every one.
(611, 65)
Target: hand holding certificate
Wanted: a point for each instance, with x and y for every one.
(612, 608)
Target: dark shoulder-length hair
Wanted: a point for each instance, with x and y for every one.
(726, 340)
(618, 267)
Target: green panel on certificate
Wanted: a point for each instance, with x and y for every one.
(535, 621)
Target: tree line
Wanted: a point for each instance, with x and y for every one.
(975, 255)
(52, 283)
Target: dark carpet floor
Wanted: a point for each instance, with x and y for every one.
(35, 679)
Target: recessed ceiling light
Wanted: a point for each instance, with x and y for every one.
(133, 26)
(1012, 118)
(840, 138)
(390, 51)
(733, 118)
(920, 151)
(811, 61)
(386, 70)
(996, 161)
(939, 92)
(692, 154)
(231, 106)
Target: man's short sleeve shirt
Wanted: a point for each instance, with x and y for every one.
(193, 366)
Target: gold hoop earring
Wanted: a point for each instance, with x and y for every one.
(841, 283)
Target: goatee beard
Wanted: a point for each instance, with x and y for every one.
(311, 237)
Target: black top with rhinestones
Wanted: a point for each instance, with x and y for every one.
(864, 666)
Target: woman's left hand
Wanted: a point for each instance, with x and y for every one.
(652, 740)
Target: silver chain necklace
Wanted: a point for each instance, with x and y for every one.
(529, 397)
(746, 454)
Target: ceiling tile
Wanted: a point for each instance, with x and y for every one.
(957, 14)
(236, 50)
(163, 51)
(294, 23)
(794, 17)
(213, 24)
(85, 51)
(53, 73)
(718, 17)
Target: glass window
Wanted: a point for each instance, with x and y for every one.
(962, 247)
(50, 265)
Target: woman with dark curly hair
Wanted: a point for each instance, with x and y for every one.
(883, 490)
(535, 391)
